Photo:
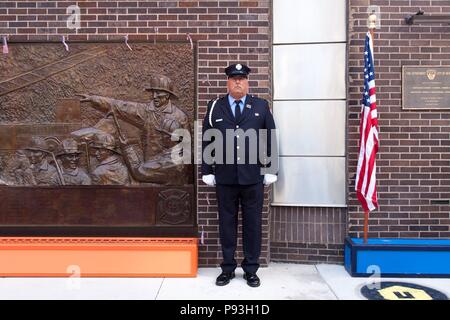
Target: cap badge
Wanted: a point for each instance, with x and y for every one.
(238, 67)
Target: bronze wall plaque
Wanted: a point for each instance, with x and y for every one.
(87, 140)
(425, 88)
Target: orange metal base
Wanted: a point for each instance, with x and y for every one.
(98, 257)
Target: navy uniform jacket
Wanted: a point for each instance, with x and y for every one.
(255, 115)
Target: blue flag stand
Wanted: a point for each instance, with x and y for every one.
(413, 258)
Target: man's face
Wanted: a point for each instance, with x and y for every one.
(70, 161)
(160, 98)
(35, 156)
(237, 86)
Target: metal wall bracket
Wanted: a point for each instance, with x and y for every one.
(420, 17)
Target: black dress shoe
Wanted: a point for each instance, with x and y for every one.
(252, 279)
(224, 278)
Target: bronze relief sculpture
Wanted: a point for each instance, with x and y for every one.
(87, 138)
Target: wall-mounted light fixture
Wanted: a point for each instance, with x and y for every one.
(374, 21)
(420, 17)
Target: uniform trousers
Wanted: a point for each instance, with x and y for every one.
(250, 197)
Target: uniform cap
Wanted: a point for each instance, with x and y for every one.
(237, 70)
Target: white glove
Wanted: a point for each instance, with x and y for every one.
(209, 179)
(269, 178)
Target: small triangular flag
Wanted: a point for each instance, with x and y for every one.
(5, 46)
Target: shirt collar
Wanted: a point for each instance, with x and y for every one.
(231, 100)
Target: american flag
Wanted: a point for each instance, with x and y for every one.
(365, 184)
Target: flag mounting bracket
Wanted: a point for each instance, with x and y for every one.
(420, 17)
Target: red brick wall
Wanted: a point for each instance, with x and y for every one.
(307, 235)
(414, 157)
(224, 31)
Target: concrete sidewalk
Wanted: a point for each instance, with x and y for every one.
(279, 281)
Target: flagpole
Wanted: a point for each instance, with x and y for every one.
(372, 34)
(366, 225)
(372, 26)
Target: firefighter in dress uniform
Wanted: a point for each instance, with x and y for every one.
(238, 171)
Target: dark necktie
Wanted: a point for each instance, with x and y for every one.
(237, 110)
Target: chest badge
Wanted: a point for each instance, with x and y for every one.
(256, 114)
